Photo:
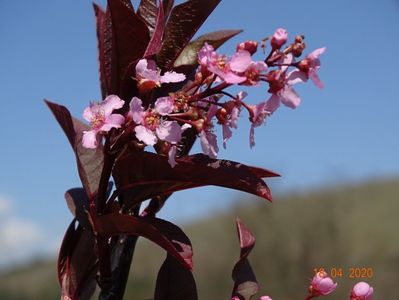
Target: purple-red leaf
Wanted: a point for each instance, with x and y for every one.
(163, 233)
(77, 264)
(245, 284)
(189, 55)
(184, 21)
(175, 282)
(104, 50)
(90, 162)
(146, 175)
(147, 11)
(157, 34)
(78, 204)
(130, 37)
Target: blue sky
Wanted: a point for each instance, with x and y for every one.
(344, 133)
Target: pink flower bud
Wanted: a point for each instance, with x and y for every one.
(250, 46)
(279, 38)
(362, 291)
(321, 285)
(265, 298)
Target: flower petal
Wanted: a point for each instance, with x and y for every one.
(164, 105)
(273, 103)
(145, 135)
(111, 103)
(289, 97)
(89, 139)
(227, 133)
(209, 143)
(136, 110)
(172, 156)
(240, 61)
(89, 113)
(113, 121)
(169, 131)
(296, 76)
(172, 77)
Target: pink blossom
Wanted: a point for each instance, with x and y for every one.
(235, 298)
(362, 291)
(228, 116)
(282, 90)
(310, 65)
(149, 77)
(228, 69)
(253, 71)
(258, 116)
(279, 38)
(101, 119)
(150, 126)
(207, 138)
(321, 285)
(265, 298)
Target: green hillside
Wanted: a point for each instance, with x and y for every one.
(349, 227)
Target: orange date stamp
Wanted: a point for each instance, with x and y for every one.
(351, 273)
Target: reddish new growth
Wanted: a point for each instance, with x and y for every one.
(205, 99)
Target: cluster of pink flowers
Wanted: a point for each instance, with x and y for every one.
(199, 104)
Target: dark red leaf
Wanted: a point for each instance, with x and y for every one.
(175, 282)
(90, 162)
(245, 284)
(77, 263)
(163, 233)
(104, 48)
(184, 21)
(147, 11)
(189, 55)
(130, 37)
(147, 175)
(156, 38)
(167, 6)
(78, 204)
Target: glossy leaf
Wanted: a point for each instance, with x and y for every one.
(163, 233)
(147, 11)
(245, 284)
(189, 55)
(148, 175)
(104, 50)
(184, 21)
(157, 34)
(77, 264)
(130, 37)
(175, 282)
(89, 161)
(78, 204)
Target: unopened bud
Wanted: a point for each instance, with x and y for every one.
(299, 38)
(221, 115)
(279, 38)
(298, 48)
(304, 66)
(250, 46)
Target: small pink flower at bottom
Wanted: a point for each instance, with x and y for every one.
(265, 298)
(321, 285)
(101, 119)
(362, 291)
(235, 298)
